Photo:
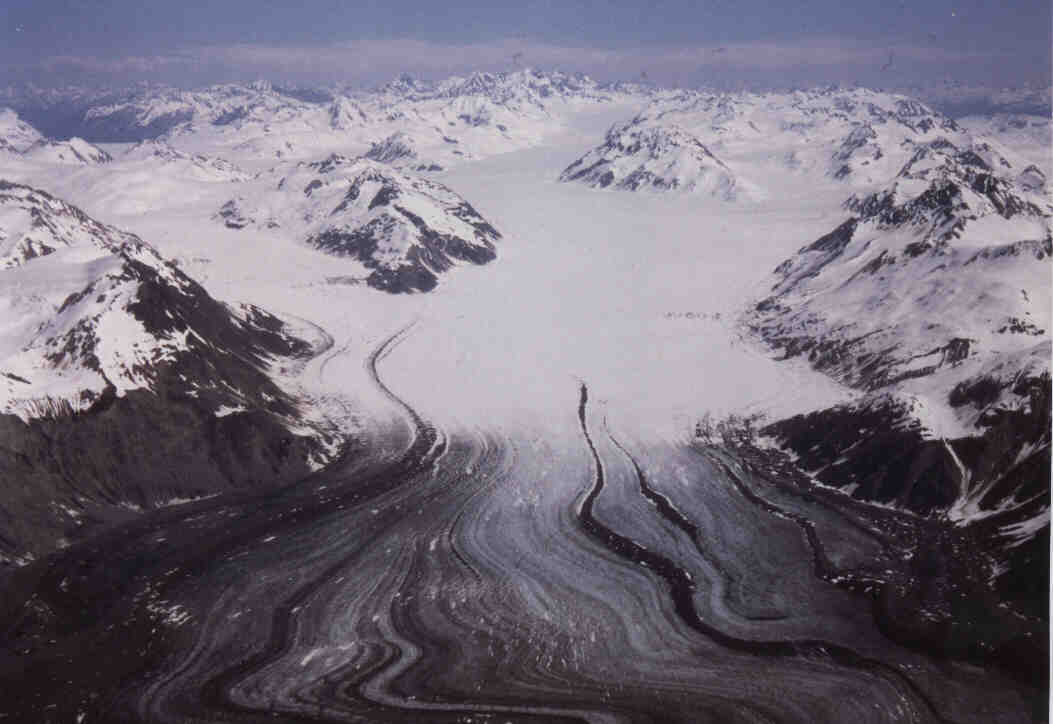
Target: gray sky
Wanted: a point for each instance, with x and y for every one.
(723, 42)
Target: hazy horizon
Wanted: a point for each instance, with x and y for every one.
(756, 43)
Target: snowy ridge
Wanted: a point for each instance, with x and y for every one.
(1029, 136)
(887, 131)
(445, 123)
(514, 89)
(637, 154)
(405, 229)
(951, 260)
(934, 298)
(34, 224)
(91, 311)
(145, 177)
(75, 151)
(751, 146)
(524, 91)
(15, 134)
(21, 140)
(162, 109)
(158, 152)
(854, 136)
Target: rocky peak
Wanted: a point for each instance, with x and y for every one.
(943, 188)
(661, 156)
(404, 229)
(34, 224)
(345, 114)
(104, 313)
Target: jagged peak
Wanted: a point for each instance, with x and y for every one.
(36, 224)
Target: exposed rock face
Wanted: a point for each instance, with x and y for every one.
(393, 149)
(64, 475)
(949, 261)
(35, 224)
(399, 150)
(878, 450)
(977, 588)
(124, 383)
(880, 136)
(405, 229)
(933, 299)
(637, 155)
(345, 114)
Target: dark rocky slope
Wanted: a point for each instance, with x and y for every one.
(137, 390)
(933, 301)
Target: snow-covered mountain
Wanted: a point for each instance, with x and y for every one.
(100, 312)
(160, 110)
(754, 145)
(876, 144)
(1029, 136)
(157, 153)
(934, 298)
(18, 138)
(637, 155)
(15, 134)
(513, 89)
(464, 118)
(34, 224)
(935, 273)
(114, 363)
(149, 176)
(156, 110)
(952, 255)
(399, 150)
(74, 152)
(345, 114)
(403, 228)
(444, 123)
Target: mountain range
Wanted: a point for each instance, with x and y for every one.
(925, 294)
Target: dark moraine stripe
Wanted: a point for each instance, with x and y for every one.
(682, 589)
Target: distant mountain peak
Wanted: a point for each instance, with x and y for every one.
(642, 154)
